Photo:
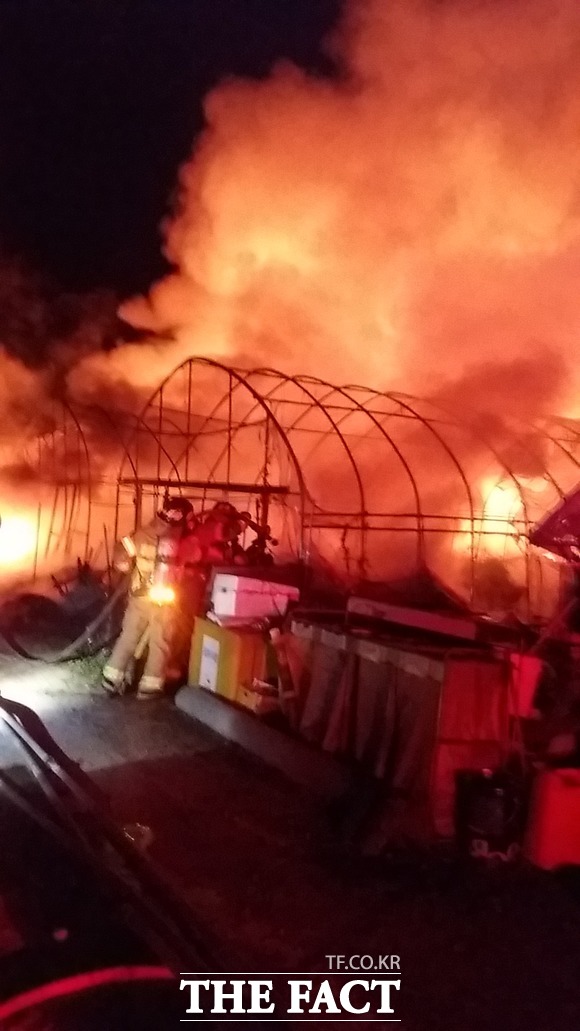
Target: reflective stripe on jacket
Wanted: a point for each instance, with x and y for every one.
(141, 547)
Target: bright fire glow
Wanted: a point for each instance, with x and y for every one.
(495, 533)
(18, 539)
(161, 594)
(502, 502)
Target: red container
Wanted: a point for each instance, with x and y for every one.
(553, 833)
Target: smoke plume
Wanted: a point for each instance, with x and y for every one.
(412, 218)
(410, 223)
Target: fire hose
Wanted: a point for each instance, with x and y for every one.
(81, 642)
(161, 592)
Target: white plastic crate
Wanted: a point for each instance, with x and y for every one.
(244, 596)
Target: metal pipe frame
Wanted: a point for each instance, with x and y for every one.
(301, 423)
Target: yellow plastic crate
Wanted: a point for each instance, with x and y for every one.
(224, 660)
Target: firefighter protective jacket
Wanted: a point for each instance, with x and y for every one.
(140, 549)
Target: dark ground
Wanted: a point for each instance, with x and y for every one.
(481, 949)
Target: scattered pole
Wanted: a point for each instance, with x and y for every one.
(107, 553)
(37, 544)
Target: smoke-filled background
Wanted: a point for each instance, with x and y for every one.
(407, 218)
(401, 224)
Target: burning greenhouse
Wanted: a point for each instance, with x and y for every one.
(358, 484)
(314, 482)
(419, 238)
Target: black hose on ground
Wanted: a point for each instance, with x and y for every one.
(83, 644)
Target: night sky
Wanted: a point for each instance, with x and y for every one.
(100, 102)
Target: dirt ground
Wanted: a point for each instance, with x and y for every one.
(257, 860)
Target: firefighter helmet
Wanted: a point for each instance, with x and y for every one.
(223, 510)
(176, 510)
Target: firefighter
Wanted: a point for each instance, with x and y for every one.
(149, 616)
(219, 535)
(257, 553)
(208, 541)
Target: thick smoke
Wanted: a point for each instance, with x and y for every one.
(46, 464)
(410, 220)
(411, 223)
(43, 332)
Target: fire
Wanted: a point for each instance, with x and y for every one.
(496, 531)
(502, 508)
(410, 224)
(500, 528)
(389, 225)
(162, 594)
(502, 502)
(18, 539)
(393, 224)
